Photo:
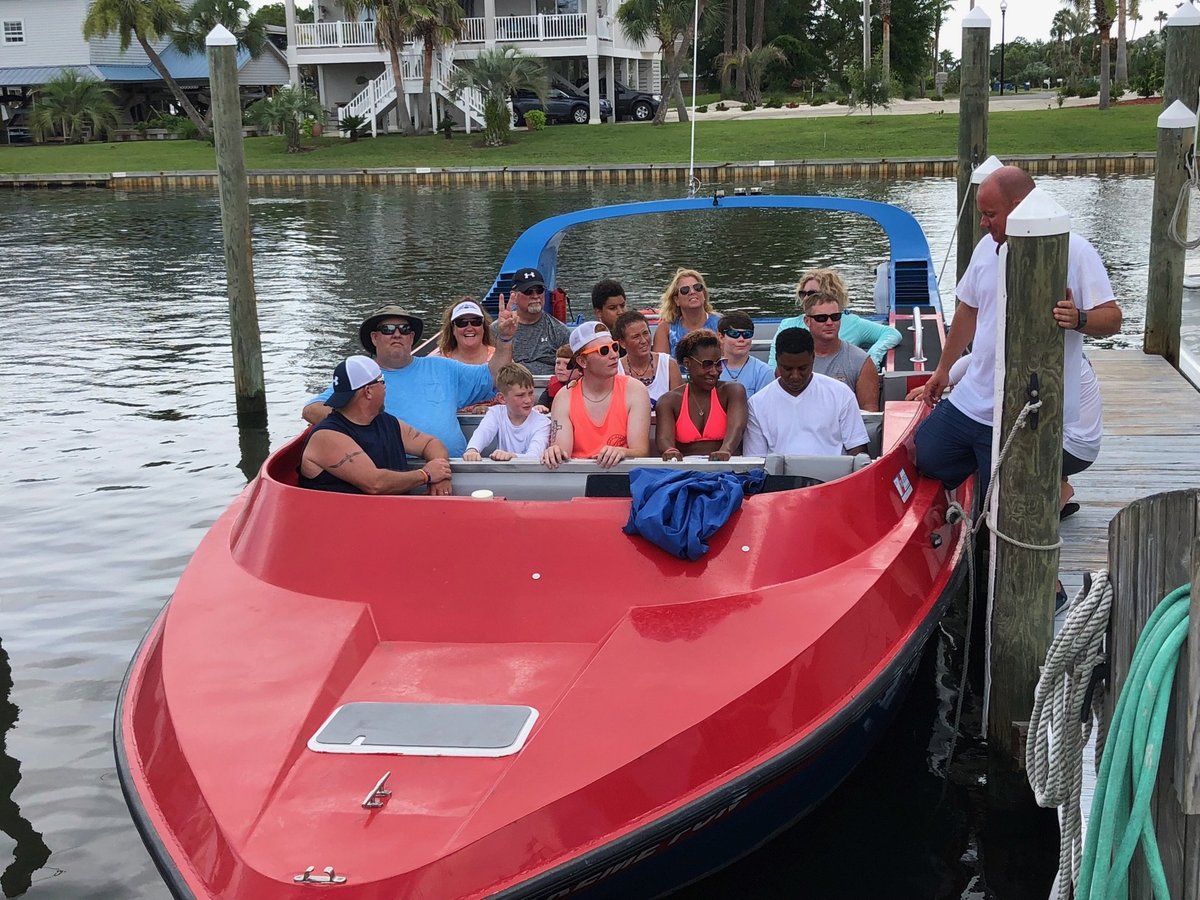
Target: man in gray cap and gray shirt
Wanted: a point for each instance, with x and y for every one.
(425, 391)
(539, 334)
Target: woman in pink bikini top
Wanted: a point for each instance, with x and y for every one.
(706, 416)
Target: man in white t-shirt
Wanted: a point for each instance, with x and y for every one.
(955, 441)
(801, 412)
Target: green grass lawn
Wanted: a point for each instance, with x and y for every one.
(1071, 130)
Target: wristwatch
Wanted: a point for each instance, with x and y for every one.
(1082, 324)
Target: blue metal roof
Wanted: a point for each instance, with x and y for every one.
(26, 76)
(182, 66)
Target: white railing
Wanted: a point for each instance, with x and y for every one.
(508, 28)
(541, 27)
(473, 30)
(336, 34)
(380, 92)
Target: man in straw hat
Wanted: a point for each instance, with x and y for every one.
(425, 391)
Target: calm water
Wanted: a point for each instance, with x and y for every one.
(120, 447)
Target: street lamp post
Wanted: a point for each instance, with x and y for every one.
(1003, 10)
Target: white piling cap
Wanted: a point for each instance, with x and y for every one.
(1177, 115)
(1185, 15)
(984, 169)
(1038, 215)
(220, 37)
(976, 18)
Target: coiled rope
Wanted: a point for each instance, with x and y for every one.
(1065, 703)
(1177, 233)
(1130, 761)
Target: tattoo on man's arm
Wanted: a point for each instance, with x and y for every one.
(345, 459)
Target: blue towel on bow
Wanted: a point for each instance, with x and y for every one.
(680, 509)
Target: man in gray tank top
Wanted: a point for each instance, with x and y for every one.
(836, 358)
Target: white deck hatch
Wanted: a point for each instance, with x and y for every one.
(425, 729)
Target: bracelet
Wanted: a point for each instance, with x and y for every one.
(672, 450)
(505, 340)
(428, 477)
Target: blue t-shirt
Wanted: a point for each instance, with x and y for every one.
(676, 330)
(753, 376)
(429, 391)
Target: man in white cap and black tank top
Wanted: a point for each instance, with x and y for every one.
(360, 449)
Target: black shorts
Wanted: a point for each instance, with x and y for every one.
(1073, 465)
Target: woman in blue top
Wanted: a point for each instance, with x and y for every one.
(874, 337)
(684, 307)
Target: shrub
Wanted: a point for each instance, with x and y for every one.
(841, 100)
(937, 98)
(1089, 87)
(352, 124)
(535, 120)
(701, 109)
(747, 107)
(721, 107)
(817, 100)
(791, 104)
(775, 101)
(187, 129)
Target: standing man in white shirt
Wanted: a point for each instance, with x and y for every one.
(955, 441)
(801, 412)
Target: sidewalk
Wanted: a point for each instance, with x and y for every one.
(1009, 102)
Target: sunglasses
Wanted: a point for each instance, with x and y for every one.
(378, 380)
(468, 322)
(803, 294)
(686, 289)
(533, 290)
(709, 365)
(825, 317)
(603, 350)
(389, 330)
(738, 333)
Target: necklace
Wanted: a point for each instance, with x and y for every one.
(646, 377)
(738, 374)
(594, 399)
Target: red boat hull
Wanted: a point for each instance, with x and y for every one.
(674, 697)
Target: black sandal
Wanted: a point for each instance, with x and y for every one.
(1068, 509)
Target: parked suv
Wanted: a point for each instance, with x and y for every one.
(631, 104)
(559, 107)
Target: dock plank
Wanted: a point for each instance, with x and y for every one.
(1151, 426)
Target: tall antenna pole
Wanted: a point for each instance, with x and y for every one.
(694, 185)
(866, 35)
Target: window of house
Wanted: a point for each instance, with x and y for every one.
(14, 31)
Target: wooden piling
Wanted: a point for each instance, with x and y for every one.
(1164, 293)
(1164, 289)
(248, 381)
(1026, 502)
(1152, 550)
(972, 126)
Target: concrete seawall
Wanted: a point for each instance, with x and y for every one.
(709, 173)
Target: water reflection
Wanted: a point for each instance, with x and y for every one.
(255, 446)
(30, 852)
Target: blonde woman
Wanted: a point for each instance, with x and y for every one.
(683, 308)
(466, 334)
(874, 337)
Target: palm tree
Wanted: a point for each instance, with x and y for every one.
(885, 14)
(204, 15)
(754, 63)
(1104, 16)
(69, 103)
(391, 19)
(1126, 10)
(285, 110)
(669, 21)
(436, 23)
(146, 20)
(499, 73)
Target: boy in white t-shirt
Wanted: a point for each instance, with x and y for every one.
(519, 431)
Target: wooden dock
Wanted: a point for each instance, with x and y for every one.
(1151, 444)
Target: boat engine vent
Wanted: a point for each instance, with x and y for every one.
(912, 283)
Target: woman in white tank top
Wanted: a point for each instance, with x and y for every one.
(657, 371)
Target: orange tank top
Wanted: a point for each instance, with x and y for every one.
(714, 425)
(590, 438)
